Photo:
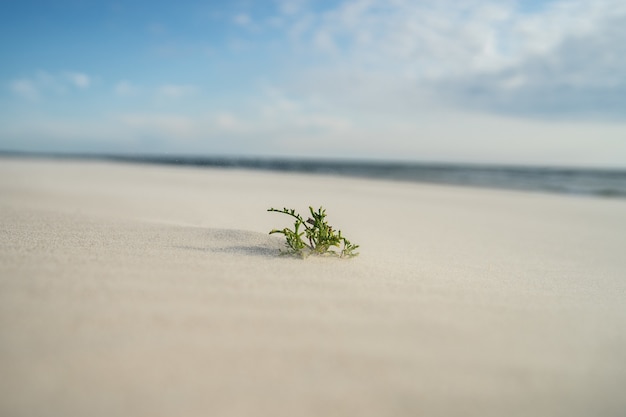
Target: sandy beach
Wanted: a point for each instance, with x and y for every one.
(143, 290)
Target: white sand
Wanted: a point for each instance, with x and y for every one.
(153, 291)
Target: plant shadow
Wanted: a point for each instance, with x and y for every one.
(252, 250)
(236, 242)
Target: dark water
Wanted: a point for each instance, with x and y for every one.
(596, 182)
(593, 182)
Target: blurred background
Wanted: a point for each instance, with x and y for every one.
(459, 81)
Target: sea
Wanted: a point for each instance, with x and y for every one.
(606, 183)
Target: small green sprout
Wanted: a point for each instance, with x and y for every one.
(319, 235)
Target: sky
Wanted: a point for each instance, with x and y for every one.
(466, 81)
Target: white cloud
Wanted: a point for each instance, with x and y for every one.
(50, 83)
(176, 91)
(43, 84)
(323, 41)
(291, 7)
(480, 54)
(242, 19)
(173, 126)
(25, 88)
(226, 121)
(125, 88)
(275, 115)
(79, 79)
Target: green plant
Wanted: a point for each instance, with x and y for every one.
(320, 236)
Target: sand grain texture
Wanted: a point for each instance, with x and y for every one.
(130, 290)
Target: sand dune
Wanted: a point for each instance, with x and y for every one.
(154, 291)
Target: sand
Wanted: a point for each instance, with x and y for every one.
(137, 290)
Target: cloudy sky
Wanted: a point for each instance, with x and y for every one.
(479, 81)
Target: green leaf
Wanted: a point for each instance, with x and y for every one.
(320, 235)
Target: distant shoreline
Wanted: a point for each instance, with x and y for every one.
(598, 182)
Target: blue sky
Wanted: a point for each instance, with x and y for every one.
(506, 82)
